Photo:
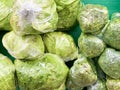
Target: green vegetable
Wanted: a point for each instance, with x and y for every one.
(23, 47)
(67, 13)
(82, 73)
(109, 62)
(46, 73)
(61, 44)
(90, 45)
(7, 70)
(5, 13)
(34, 17)
(113, 84)
(92, 18)
(111, 35)
(99, 85)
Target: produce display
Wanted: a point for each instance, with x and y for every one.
(47, 56)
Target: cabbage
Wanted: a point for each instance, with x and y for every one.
(67, 13)
(34, 16)
(113, 84)
(23, 47)
(111, 36)
(82, 73)
(90, 45)
(109, 62)
(92, 18)
(61, 44)
(46, 73)
(7, 70)
(5, 14)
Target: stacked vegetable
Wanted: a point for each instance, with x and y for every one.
(41, 46)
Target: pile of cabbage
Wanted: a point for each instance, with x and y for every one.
(47, 56)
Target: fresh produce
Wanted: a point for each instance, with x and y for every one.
(34, 17)
(7, 70)
(92, 18)
(5, 14)
(109, 62)
(113, 84)
(23, 47)
(67, 13)
(82, 73)
(91, 46)
(111, 35)
(46, 73)
(43, 52)
(61, 44)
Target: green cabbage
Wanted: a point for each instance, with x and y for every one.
(82, 73)
(34, 16)
(113, 84)
(46, 73)
(90, 45)
(109, 62)
(92, 18)
(23, 47)
(5, 14)
(67, 13)
(111, 35)
(7, 70)
(61, 44)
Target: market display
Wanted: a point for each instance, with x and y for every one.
(46, 58)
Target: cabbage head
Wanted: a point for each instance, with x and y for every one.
(5, 14)
(61, 44)
(113, 84)
(34, 16)
(111, 36)
(7, 70)
(23, 47)
(46, 73)
(83, 73)
(67, 13)
(91, 46)
(92, 18)
(109, 62)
